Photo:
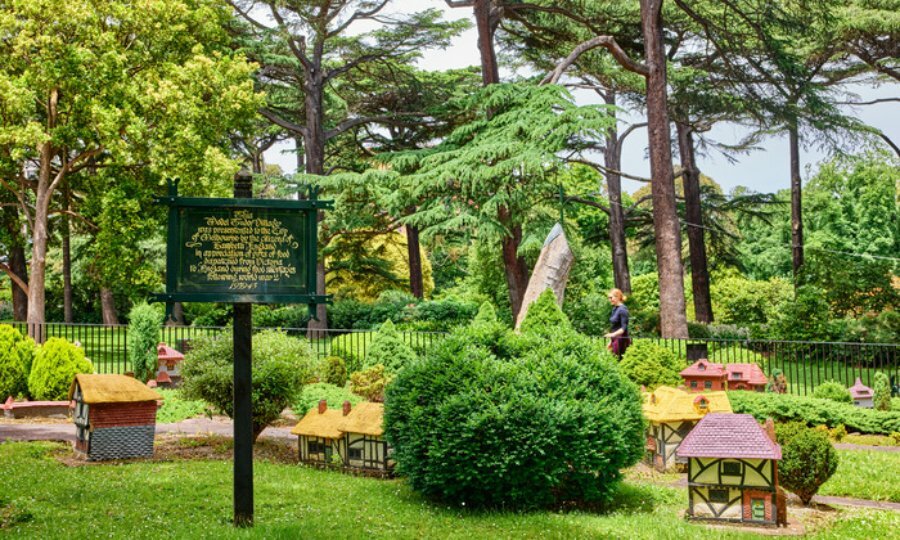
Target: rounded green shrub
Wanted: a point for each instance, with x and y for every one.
(311, 394)
(352, 347)
(544, 316)
(808, 461)
(281, 365)
(56, 363)
(544, 418)
(370, 383)
(388, 349)
(143, 336)
(16, 354)
(834, 391)
(333, 371)
(882, 391)
(651, 365)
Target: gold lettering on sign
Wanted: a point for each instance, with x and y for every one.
(243, 249)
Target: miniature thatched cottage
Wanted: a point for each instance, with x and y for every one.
(350, 437)
(115, 417)
(318, 438)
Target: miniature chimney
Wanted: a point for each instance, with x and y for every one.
(770, 429)
(323, 406)
(346, 408)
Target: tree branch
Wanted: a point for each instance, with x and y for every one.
(15, 279)
(356, 16)
(286, 124)
(607, 42)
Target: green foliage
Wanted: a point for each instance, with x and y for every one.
(143, 336)
(333, 371)
(778, 383)
(521, 422)
(370, 383)
(813, 412)
(808, 461)
(882, 391)
(56, 363)
(389, 350)
(402, 309)
(16, 355)
(281, 365)
(175, 408)
(334, 395)
(742, 301)
(834, 391)
(544, 317)
(352, 348)
(802, 318)
(651, 365)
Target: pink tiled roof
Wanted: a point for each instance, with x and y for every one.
(859, 390)
(703, 368)
(164, 352)
(750, 373)
(722, 435)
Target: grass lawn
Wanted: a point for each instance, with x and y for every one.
(866, 474)
(43, 498)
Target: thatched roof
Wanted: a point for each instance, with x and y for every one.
(316, 424)
(666, 404)
(112, 389)
(365, 418)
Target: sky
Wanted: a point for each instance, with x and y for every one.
(765, 170)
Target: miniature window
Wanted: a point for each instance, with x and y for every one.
(701, 367)
(693, 384)
(707, 385)
(313, 447)
(684, 429)
(355, 453)
(731, 468)
(737, 375)
(702, 405)
(718, 495)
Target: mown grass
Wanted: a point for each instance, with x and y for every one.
(866, 474)
(192, 499)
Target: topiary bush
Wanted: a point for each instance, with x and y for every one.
(544, 316)
(352, 348)
(834, 391)
(16, 354)
(527, 421)
(651, 365)
(56, 363)
(333, 371)
(143, 336)
(808, 461)
(370, 383)
(388, 349)
(281, 365)
(882, 392)
(311, 394)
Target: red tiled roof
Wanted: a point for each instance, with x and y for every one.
(164, 352)
(721, 435)
(859, 390)
(750, 373)
(703, 368)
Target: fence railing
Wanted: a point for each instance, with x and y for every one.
(805, 365)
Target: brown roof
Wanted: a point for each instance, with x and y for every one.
(366, 418)
(112, 389)
(721, 435)
(316, 424)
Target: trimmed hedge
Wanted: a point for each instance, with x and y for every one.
(834, 391)
(814, 412)
(55, 365)
(649, 364)
(16, 354)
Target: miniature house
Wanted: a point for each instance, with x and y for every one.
(671, 414)
(862, 395)
(319, 441)
(115, 417)
(705, 375)
(732, 470)
(168, 372)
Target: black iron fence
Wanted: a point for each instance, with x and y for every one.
(805, 365)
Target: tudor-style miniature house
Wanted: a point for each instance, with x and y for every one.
(862, 395)
(671, 414)
(115, 417)
(318, 438)
(732, 470)
(704, 375)
(168, 371)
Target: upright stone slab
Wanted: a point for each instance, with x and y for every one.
(550, 272)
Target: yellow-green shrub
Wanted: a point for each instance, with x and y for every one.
(55, 365)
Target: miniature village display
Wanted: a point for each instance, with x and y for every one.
(732, 470)
(115, 417)
(671, 414)
(862, 395)
(168, 372)
(705, 375)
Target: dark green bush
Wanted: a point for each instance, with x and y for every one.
(526, 421)
(651, 365)
(813, 412)
(56, 363)
(143, 336)
(834, 391)
(281, 365)
(333, 371)
(16, 354)
(802, 318)
(808, 461)
(388, 349)
(882, 391)
(311, 394)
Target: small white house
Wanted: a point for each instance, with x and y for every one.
(862, 395)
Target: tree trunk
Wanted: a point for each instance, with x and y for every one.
(673, 322)
(314, 154)
(177, 317)
(39, 238)
(796, 204)
(416, 283)
(66, 259)
(699, 269)
(485, 24)
(613, 160)
(108, 307)
(19, 268)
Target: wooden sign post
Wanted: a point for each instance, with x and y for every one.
(242, 251)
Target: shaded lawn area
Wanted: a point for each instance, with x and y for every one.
(42, 498)
(866, 474)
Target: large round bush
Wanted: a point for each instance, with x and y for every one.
(808, 461)
(15, 361)
(56, 363)
(649, 364)
(538, 420)
(281, 365)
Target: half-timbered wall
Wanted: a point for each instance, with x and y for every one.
(667, 437)
(732, 489)
(366, 452)
(732, 472)
(320, 449)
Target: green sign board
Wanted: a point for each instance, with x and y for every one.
(242, 250)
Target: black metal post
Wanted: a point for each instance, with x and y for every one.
(243, 406)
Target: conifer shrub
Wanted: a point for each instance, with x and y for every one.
(143, 336)
(281, 366)
(649, 364)
(544, 317)
(834, 391)
(813, 412)
(495, 419)
(370, 383)
(333, 371)
(388, 349)
(56, 363)
(16, 354)
(882, 392)
(808, 461)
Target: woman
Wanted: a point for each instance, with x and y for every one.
(618, 321)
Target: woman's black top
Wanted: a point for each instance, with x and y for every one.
(619, 319)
